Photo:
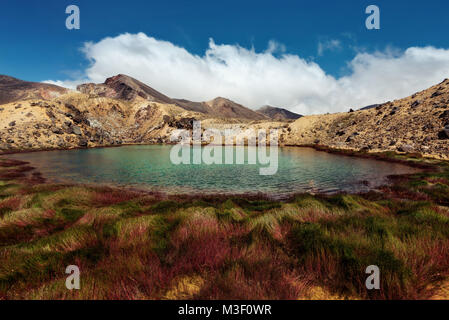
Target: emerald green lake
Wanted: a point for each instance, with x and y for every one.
(150, 168)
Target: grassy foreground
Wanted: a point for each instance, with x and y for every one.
(131, 245)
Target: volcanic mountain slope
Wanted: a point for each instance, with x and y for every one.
(127, 88)
(109, 114)
(279, 114)
(419, 123)
(221, 108)
(80, 120)
(12, 89)
(121, 110)
(225, 108)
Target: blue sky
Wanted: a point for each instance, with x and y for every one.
(36, 45)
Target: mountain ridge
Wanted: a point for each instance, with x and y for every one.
(278, 113)
(127, 88)
(13, 89)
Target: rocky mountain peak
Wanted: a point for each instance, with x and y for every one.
(126, 88)
(279, 114)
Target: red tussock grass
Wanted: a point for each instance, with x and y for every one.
(110, 197)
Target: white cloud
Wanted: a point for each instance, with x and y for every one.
(330, 45)
(269, 77)
(70, 84)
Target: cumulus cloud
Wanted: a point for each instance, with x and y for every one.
(330, 45)
(269, 77)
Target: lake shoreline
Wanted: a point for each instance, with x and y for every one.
(380, 156)
(282, 195)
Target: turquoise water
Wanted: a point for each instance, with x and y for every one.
(149, 167)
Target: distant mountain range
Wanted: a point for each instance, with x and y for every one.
(120, 110)
(127, 88)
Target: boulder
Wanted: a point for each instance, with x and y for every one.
(183, 123)
(61, 143)
(416, 103)
(406, 148)
(50, 114)
(82, 142)
(444, 134)
(76, 130)
(76, 115)
(12, 123)
(56, 130)
(78, 118)
(444, 115)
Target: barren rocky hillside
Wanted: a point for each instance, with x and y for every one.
(122, 110)
(126, 88)
(419, 123)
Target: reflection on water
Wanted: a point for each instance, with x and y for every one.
(299, 170)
